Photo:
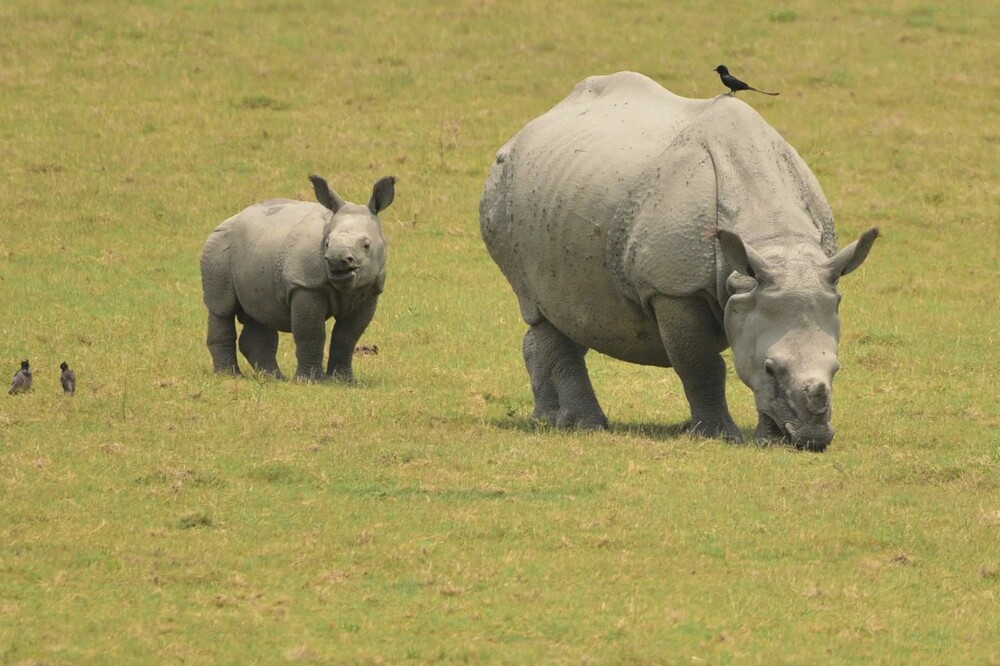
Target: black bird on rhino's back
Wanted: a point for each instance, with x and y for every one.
(734, 84)
(68, 379)
(22, 379)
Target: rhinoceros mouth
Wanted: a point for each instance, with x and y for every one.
(810, 438)
(342, 275)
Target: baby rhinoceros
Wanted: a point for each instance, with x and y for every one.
(285, 265)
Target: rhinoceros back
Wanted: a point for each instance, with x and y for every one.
(253, 260)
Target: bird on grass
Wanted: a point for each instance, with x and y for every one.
(68, 379)
(22, 379)
(734, 84)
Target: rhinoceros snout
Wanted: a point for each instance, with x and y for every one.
(342, 266)
(343, 262)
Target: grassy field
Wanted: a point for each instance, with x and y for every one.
(168, 515)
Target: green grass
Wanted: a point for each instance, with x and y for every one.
(168, 515)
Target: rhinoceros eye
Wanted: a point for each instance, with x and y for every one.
(772, 368)
(367, 244)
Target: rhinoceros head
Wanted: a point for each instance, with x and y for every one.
(781, 321)
(354, 248)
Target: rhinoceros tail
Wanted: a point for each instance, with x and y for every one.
(496, 224)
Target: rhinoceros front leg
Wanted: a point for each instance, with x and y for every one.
(221, 340)
(347, 330)
(692, 342)
(308, 309)
(259, 344)
(559, 379)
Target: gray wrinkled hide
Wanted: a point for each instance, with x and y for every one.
(285, 265)
(604, 213)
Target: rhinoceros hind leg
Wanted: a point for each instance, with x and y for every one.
(559, 379)
(693, 344)
(259, 344)
(221, 341)
(544, 390)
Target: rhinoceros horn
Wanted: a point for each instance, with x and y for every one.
(817, 397)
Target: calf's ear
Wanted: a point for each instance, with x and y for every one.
(852, 256)
(737, 283)
(325, 195)
(382, 194)
(740, 257)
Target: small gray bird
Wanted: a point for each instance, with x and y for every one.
(68, 379)
(22, 380)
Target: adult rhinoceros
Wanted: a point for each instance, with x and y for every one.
(285, 265)
(660, 230)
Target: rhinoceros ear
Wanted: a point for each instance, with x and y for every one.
(737, 283)
(325, 195)
(741, 258)
(852, 256)
(382, 194)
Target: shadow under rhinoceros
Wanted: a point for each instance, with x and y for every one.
(662, 431)
(648, 430)
(655, 431)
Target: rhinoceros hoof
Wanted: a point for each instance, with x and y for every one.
(311, 379)
(344, 377)
(545, 417)
(582, 421)
(727, 431)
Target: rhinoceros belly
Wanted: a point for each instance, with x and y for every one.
(560, 248)
(566, 281)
